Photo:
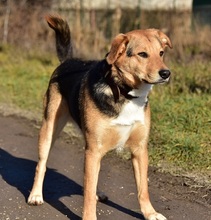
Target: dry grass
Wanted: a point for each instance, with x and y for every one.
(92, 30)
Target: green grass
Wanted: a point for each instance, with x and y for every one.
(181, 119)
(24, 78)
(181, 110)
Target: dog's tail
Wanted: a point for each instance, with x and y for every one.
(63, 37)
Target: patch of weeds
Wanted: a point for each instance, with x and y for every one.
(181, 120)
(23, 80)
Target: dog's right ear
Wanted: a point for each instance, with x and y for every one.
(118, 47)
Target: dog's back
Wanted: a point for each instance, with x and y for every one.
(68, 76)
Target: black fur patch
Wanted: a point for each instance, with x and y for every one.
(69, 76)
(97, 86)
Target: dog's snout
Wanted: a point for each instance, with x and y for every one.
(164, 73)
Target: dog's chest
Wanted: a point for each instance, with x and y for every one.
(133, 111)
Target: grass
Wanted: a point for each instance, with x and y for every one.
(181, 120)
(24, 78)
(180, 137)
(181, 132)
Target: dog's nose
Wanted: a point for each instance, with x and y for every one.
(164, 74)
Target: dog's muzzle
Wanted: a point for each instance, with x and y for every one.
(164, 74)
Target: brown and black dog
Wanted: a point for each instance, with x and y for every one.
(108, 99)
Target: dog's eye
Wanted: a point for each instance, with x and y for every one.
(161, 53)
(143, 54)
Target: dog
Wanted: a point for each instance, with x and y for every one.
(108, 100)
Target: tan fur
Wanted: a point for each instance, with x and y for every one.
(103, 132)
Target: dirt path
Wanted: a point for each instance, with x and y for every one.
(63, 184)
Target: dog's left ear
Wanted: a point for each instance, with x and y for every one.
(118, 47)
(165, 41)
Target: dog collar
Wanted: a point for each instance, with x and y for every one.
(125, 92)
(115, 88)
(118, 90)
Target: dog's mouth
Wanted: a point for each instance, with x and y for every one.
(163, 80)
(160, 81)
(164, 76)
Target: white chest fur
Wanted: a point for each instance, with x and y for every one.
(134, 110)
(131, 112)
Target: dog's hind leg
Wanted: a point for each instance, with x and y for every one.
(55, 117)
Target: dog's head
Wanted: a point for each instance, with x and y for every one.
(137, 56)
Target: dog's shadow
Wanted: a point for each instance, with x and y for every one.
(19, 173)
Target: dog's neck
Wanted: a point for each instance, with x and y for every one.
(117, 89)
(123, 89)
(142, 91)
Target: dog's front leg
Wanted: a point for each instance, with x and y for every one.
(92, 167)
(140, 164)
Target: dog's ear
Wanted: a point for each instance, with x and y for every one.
(165, 41)
(118, 47)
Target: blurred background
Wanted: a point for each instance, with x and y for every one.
(94, 22)
(180, 140)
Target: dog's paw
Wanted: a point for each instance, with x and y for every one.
(156, 216)
(35, 200)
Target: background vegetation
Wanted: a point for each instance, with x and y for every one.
(180, 140)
